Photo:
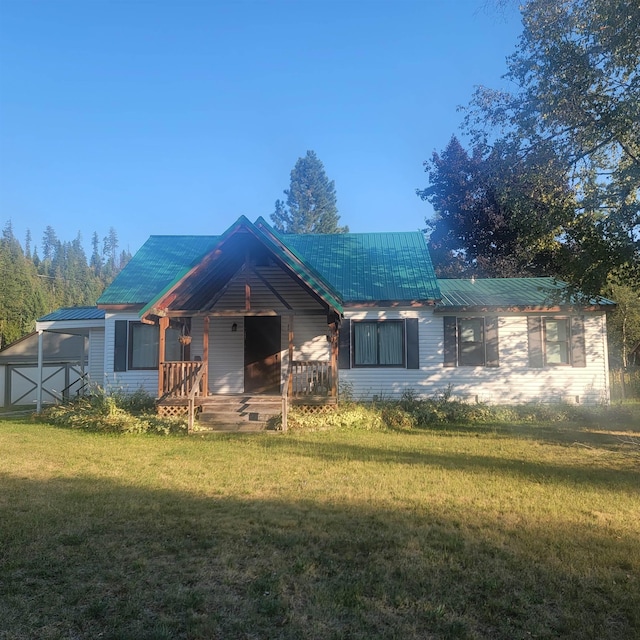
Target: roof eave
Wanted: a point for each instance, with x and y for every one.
(443, 308)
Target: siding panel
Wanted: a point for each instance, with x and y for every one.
(514, 381)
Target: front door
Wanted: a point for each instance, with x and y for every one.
(262, 354)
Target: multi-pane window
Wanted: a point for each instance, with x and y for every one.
(471, 343)
(557, 341)
(378, 344)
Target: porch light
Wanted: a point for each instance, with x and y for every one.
(234, 326)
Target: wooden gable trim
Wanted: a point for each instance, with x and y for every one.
(212, 302)
(164, 300)
(243, 226)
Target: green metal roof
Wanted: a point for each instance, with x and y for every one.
(505, 293)
(74, 313)
(214, 271)
(353, 267)
(369, 267)
(157, 264)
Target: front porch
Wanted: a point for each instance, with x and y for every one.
(310, 383)
(250, 319)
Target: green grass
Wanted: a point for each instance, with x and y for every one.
(477, 532)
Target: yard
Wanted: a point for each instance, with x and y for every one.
(478, 532)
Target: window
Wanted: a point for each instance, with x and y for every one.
(471, 341)
(471, 344)
(378, 344)
(556, 341)
(137, 345)
(174, 351)
(143, 345)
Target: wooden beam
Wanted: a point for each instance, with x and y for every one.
(164, 323)
(247, 284)
(210, 304)
(291, 336)
(334, 359)
(271, 288)
(205, 355)
(200, 313)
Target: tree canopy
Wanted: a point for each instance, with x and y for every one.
(311, 204)
(576, 73)
(495, 216)
(31, 287)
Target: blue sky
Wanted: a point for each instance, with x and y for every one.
(176, 117)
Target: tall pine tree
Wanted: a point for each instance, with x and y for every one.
(311, 204)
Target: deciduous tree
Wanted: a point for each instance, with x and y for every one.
(496, 215)
(576, 73)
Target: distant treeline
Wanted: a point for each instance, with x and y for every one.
(33, 283)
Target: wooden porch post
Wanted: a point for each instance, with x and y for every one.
(290, 367)
(334, 359)
(205, 355)
(164, 323)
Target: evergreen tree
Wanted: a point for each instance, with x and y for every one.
(49, 243)
(96, 259)
(311, 204)
(21, 301)
(110, 251)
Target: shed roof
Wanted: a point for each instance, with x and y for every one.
(511, 293)
(74, 313)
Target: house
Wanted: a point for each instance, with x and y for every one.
(253, 313)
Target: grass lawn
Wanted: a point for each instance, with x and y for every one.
(476, 532)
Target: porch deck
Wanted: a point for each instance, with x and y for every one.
(184, 386)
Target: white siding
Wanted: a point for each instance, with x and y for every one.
(96, 356)
(391, 382)
(309, 338)
(3, 370)
(124, 381)
(512, 382)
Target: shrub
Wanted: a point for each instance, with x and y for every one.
(442, 409)
(118, 413)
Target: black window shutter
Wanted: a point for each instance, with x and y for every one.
(344, 345)
(120, 351)
(413, 349)
(534, 330)
(450, 342)
(491, 336)
(578, 352)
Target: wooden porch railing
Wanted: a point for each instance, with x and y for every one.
(192, 394)
(311, 378)
(179, 379)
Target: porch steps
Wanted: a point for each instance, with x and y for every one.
(238, 413)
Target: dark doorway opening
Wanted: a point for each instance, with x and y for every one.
(262, 354)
